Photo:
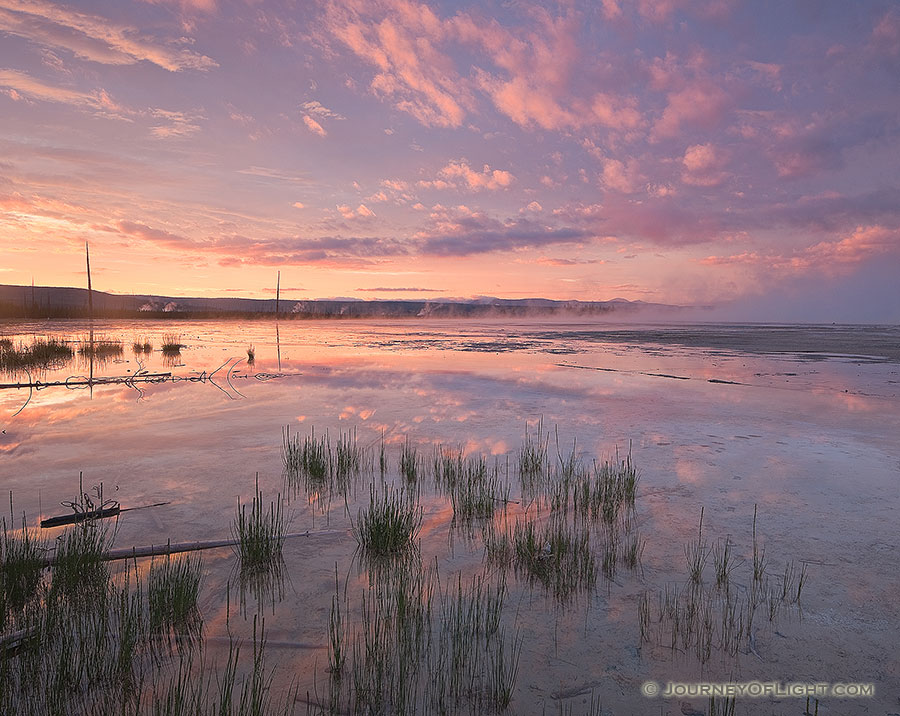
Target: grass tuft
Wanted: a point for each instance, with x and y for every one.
(21, 566)
(79, 570)
(389, 525)
(45, 354)
(171, 344)
(173, 589)
(409, 462)
(696, 553)
(260, 533)
(141, 344)
(556, 555)
(100, 347)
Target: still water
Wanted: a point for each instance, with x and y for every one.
(798, 422)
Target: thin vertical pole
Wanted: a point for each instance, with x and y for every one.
(87, 256)
(277, 336)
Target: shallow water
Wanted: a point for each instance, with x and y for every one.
(801, 421)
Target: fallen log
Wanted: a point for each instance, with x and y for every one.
(76, 517)
(103, 512)
(13, 640)
(82, 382)
(169, 548)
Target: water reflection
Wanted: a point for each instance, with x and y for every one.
(786, 440)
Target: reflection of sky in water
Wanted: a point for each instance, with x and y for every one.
(813, 444)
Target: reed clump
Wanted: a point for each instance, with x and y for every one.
(259, 532)
(705, 618)
(21, 566)
(555, 554)
(532, 461)
(79, 570)
(171, 344)
(100, 347)
(42, 353)
(389, 525)
(475, 490)
(418, 647)
(323, 467)
(173, 589)
(141, 344)
(409, 461)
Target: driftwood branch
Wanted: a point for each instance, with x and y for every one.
(13, 640)
(157, 550)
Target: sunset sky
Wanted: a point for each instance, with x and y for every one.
(743, 154)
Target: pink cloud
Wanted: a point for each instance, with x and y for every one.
(486, 179)
(207, 6)
(92, 37)
(703, 165)
(657, 10)
(700, 104)
(536, 66)
(360, 212)
(616, 112)
(621, 176)
(403, 46)
(769, 72)
(313, 126)
(528, 73)
(460, 175)
(611, 9)
(830, 257)
(886, 34)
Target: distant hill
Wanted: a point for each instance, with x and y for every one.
(62, 302)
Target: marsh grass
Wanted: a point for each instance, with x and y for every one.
(722, 706)
(79, 571)
(419, 647)
(634, 550)
(699, 619)
(100, 347)
(390, 524)
(409, 461)
(93, 645)
(337, 637)
(171, 344)
(321, 467)
(532, 459)
(21, 567)
(260, 533)
(475, 490)
(724, 562)
(696, 553)
(196, 686)
(173, 589)
(141, 344)
(759, 556)
(555, 554)
(42, 353)
(605, 489)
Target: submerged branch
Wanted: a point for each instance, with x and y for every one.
(156, 550)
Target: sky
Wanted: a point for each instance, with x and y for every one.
(744, 155)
